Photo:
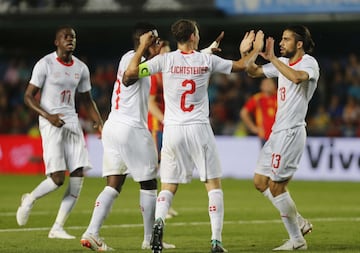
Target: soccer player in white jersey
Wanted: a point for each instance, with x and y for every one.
(57, 76)
(188, 140)
(128, 149)
(297, 74)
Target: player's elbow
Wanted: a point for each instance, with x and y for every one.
(299, 77)
(243, 113)
(129, 78)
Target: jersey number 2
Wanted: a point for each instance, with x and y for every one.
(192, 85)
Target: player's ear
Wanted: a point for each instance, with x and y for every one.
(56, 42)
(299, 44)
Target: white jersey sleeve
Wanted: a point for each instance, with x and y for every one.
(293, 99)
(185, 81)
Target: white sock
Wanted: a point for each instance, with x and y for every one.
(267, 193)
(102, 208)
(69, 200)
(147, 207)
(45, 187)
(216, 213)
(287, 208)
(163, 204)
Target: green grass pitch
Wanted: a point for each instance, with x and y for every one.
(251, 223)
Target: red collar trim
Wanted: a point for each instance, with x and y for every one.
(64, 63)
(187, 53)
(292, 64)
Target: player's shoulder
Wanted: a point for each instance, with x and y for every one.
(46, 59)
(78, 61)
(308, 57)
(309, 61)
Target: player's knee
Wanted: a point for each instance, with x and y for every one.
(77, 173)
(58, 178)
(260, 185)
(149, 184)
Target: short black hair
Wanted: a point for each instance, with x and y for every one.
(139, 29)
(62, 27)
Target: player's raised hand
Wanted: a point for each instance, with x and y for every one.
(147, 39)
(214, 47)
(258, 43)
(155, 48)
(269, 49)
(247, 42)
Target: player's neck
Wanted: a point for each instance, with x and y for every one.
(65, 57)
(296, 58)
(186, 48)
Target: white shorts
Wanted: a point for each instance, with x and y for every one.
(127, 150)
(187, 147)
(64, 148)
(281, 154)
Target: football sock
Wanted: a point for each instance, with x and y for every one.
(267, 193)
(45, 187)
(216, 213)
(102, 208)
(163, 204)
(287, 208)
(69, 200)
(147, 207)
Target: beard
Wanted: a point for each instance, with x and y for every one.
(289, 54)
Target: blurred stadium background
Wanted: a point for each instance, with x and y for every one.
(104, 33)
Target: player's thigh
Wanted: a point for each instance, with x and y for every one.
(176, 163)
(141, 156)
(263, 165)
(204, 152)
(53, 147)
(113, 137)
(76, 153)
(287, 152)
(129, 149)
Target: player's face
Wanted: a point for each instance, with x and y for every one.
(66, 40)
(288, 44)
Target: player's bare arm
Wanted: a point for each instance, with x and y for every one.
(87, 99)
(214, 47)
(293, 75)
(249, 122)
(243, 63)
(133, 72)
(154, 109)
(29, 99)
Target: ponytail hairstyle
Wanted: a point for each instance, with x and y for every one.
(303, 34)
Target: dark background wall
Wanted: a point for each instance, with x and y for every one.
(108, 35)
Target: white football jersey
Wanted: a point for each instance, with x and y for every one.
(58, 82)
(185, 82)
(129, 105)
(293, 99)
